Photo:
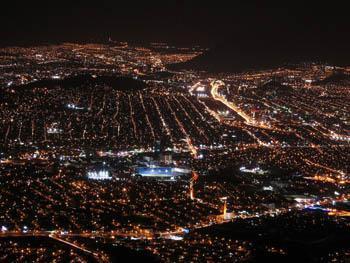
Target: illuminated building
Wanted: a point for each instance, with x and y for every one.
(166, 159)
(99, 175)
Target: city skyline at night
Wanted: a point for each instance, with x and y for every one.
(176, 131)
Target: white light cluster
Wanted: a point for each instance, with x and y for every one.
(100, 175)
(340, 137)
(53, 130)
(74, 107)
(256, 170)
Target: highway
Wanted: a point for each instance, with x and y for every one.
(75, 246)
(215, 85)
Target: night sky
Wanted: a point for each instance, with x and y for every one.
(179, 22)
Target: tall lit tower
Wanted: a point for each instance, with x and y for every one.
(191, 190)
(194, 178)
(224, 213)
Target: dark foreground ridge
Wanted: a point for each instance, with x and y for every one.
(307, 237)
(122, 83)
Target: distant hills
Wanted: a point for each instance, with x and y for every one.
(240, 54)
(335, 79)
(274, 87)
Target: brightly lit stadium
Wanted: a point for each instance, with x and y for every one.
(162, 172)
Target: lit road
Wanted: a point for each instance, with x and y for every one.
(57, 237)
(325, 167)
(215, 85)
(75, 246)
